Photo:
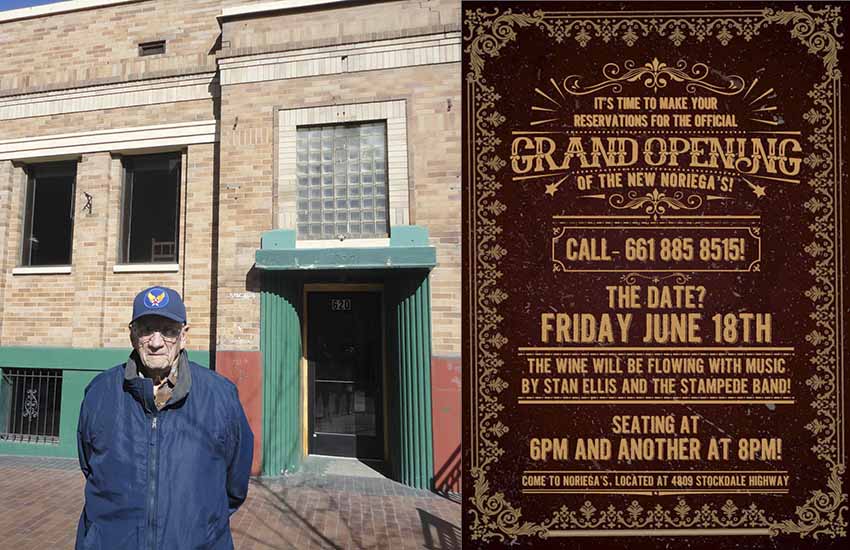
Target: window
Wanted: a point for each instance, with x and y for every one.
(389, 116)
(30, 405)
(49, 214)
(342, 181)
(151, 208)
(152, 48)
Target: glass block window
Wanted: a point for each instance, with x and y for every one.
(342, 181)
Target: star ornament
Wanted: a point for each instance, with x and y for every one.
(552, 188)
(758, 190)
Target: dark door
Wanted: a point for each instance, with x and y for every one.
(345, 357)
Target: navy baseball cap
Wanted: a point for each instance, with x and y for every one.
(159, 300)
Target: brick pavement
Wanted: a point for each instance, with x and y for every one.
(329, 504)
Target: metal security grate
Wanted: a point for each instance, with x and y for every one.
(30, 402)
(342, 181)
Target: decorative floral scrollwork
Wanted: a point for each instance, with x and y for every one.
(632, 278)
(493, 511)
(818, 29)
(489, 32)
(655, 75)
(680, 516)
(822, 514)
(655, 203)
(31, 405)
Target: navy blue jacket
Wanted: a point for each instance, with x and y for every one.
(167, 479)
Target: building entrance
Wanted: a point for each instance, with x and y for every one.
(345, 374)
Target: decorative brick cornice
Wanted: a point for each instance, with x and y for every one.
(229, 53)
(364, 56)
(110, 96)
(123, 79)
(114, 139)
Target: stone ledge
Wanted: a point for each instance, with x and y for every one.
(227, 53)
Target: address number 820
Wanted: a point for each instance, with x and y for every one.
(676, 249)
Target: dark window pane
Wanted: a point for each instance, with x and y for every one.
(49, 223)
(151, 208)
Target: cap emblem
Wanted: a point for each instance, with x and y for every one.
(156, 298)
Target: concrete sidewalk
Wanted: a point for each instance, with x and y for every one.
(329, 504)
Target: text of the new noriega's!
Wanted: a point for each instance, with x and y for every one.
(746, 155)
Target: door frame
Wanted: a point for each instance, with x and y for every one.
(305, 389)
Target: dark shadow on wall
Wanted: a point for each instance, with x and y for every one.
(216, 47)
(439, 534)
(447, 479)
(215, 91)
(254, 280)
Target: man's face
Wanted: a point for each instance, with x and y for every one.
(158, 340)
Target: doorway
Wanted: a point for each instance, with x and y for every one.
(345, 379)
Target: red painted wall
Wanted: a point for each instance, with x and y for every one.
(445, 403)
(245, 369)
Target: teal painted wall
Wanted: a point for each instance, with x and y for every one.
(79, 367)
(280, 342)
(96, 359)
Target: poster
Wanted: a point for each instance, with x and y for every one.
(653, 270)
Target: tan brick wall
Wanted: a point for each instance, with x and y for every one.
(36, 310)
(91, 306)
(88, 256)
(194, 278)
(357, 22)
(67, 49)
(6, 186)
(247, 152)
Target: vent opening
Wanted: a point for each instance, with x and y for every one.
(152, 48)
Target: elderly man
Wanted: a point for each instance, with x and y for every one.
(163, 443)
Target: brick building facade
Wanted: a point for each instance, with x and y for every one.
(291, 167)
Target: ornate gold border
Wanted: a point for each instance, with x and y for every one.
(486, 33)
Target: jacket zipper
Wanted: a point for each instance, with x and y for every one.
(152, 475)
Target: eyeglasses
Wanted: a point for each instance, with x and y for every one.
(145, 331)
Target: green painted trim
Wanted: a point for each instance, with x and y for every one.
(416, 438)
(278, 239)
(37, 449)
(347, 258)
(91, 359)
(408, 235)
(73, 384)
(280, 343)
(408, 249)
(79, 367)
(400, 236)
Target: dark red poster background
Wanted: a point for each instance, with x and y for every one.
(509, 279)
